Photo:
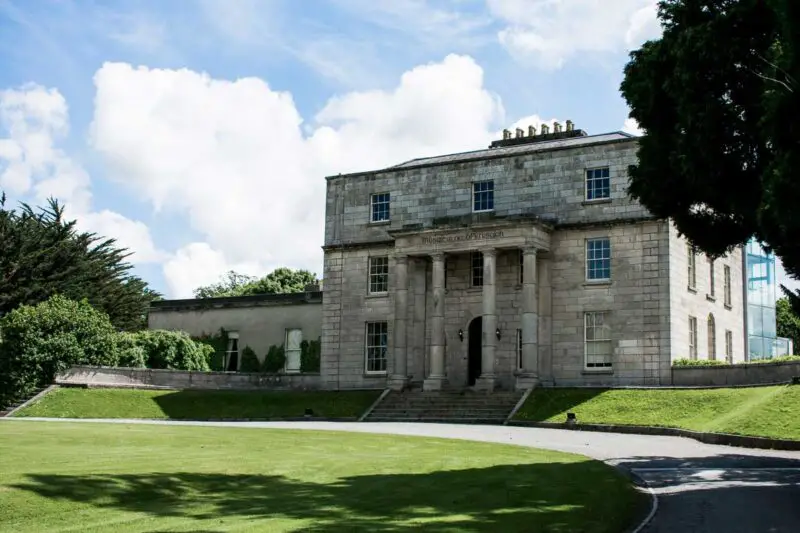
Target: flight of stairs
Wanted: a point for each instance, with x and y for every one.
(463, 407)
(6, 409)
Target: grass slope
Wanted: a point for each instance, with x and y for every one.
(187, 405)
(757, 411)
(131, 478)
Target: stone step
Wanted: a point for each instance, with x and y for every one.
(442, 420)
(458, 409)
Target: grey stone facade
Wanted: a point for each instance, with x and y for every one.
(412, 325)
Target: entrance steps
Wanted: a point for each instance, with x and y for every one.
(461, 407)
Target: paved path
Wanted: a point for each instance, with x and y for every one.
(700, 488)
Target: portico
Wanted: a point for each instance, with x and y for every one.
(430, 249)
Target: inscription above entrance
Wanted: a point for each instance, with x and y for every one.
(463, 237)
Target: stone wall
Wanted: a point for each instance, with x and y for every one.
(95, 376)
(699, 303)
(738, 374)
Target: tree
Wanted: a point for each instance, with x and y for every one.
(43, 254)
(717, 97)
(280, 281)
(788, 322)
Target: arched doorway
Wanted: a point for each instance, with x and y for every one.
(475, 333)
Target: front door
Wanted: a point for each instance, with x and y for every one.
(475, 334)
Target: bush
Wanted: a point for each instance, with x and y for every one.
(250, 361)
(275, 360)
(698, 362)
(310, 356)
(173, 350)
(779, 359)
(219, 345)
(41, 341)
(131, 353)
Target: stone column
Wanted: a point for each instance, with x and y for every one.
(486, 380)
(529, 373)
(435, 379)
(399, 377)
(545, 322)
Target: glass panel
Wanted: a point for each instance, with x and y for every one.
(768, 322)
(754, 320)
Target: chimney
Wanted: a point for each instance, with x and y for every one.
(556, 127)
(545, 129)
(570, 126)
(531, 131)
(520, 133)
(506, 135)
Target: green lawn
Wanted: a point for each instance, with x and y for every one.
(63, 476)
(758, 411)
(187, 405)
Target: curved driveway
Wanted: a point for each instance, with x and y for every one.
(700, 487)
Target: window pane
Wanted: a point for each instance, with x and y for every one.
(598, 184)
(380, 207)
(483, 196)
(598, 259)
(378, 274)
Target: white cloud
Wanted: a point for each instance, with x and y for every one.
(632, 126)
(233, 158)
(550, 32)
(196, 265)
(31, 163)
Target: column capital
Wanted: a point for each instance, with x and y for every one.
(437, 256)
(491, 252)
(529, 250)
(400, 258)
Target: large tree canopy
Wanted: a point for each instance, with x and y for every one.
(41, 254)
(717, 98)
(281, 280)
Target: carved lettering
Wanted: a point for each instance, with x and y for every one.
(462, 237)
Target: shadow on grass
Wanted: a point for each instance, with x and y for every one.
(216, 404)
(585, 496)
(545, 403)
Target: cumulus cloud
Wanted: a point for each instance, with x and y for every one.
(632, 126)
(548, 33)
(237, 160)
(36, 119)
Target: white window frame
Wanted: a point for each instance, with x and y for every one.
(590, 321)
(587, 260)
(233, 347)
(727, 286)
(711, 331)
(388, 203)
(586, 181)
(368, 338)
(473, 269)
(692, 337)
(691, 261)
(474, 184)
(297, 351)
(729, 345)
(378, 275)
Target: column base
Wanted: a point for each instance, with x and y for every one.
(398, 383)
(433, 383)
(526, 380)
(485, 383)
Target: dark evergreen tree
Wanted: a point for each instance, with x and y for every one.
(42, 254)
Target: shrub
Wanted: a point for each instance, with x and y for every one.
(779, 359)
(250, 361)
(310, 356)
(173, 350)
(131, 353)
(275, 360)
(43, 340)
(698, 362)
(219, 345)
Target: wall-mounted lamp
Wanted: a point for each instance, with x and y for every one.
(497, 333)
(461, 335)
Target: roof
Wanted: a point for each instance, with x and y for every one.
(504, 151)
(252, 300)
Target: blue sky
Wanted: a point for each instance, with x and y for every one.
(198, 132)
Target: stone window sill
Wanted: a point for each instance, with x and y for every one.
(380, 222)
(691, 289)
(595, 202)
(475, 289)
(378, 295)
(600, 372)
(710, 298)
(728, 307)
(599, 283)
(375, 374)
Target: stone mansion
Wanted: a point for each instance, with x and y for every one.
(518, 265)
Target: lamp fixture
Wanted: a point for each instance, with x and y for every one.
(461, 335)
(497, 333)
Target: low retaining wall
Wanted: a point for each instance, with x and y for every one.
(738, 374)
(100, 376)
